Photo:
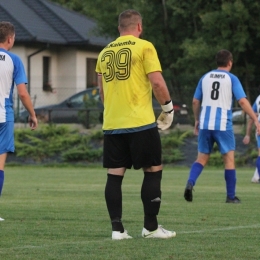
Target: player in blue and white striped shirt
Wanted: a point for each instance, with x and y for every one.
(212, 108)
(246, 140)
(11, 73)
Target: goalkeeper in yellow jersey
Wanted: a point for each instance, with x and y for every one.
(129, 72)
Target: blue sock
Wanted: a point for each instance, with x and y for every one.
(258, 165)
(230, 177)
(195, 172)
(1, 181)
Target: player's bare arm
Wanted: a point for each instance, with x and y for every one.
(246, 139)
(162, 95)
(100, 86)
(196, 111)
(26, 100)
(245, 105)
(159, 86)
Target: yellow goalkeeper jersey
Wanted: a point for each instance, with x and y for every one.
(124, 65)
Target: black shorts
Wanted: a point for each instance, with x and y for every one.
(139, 149)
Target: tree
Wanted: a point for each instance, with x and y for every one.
(233, 26)
(187, 35)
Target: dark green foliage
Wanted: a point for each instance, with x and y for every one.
(77, 154)
(170, 141)
(59, 144)
(171, 144)
(254, 154)
(215, 159)
(171, 156)
(52, 144)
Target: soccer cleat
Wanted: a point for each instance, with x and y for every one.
(1, 219)
(117, 235)
(235, 200)
(188, 191)
(160, 232)
(255, 180)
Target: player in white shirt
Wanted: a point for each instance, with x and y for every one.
(212, 108)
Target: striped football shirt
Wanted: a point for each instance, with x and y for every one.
(217, 90)
(11, 72)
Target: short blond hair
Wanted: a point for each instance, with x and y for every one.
(129, 19)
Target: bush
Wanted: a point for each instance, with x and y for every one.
(60, 144)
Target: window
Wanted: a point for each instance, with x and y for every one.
(46, 74)
(91, 73)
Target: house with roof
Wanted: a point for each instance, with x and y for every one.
(59, 48)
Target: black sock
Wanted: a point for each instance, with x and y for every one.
(150, 222)
(151, 197)
(117, 225)
(113, 196)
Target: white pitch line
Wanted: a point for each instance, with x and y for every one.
(53, 244)
(101, 241)
(218, 229)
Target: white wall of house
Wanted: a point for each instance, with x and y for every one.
(68, 73)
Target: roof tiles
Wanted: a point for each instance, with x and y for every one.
(41, 21)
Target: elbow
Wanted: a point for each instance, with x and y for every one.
(195, 102)
(242, 101)
(156, 86)
(22, 96)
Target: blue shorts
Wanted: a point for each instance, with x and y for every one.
(258, 140)
(224, 139)
(6, 137)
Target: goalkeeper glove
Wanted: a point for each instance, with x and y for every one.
(165, 119)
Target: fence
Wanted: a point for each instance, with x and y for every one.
(92, 116)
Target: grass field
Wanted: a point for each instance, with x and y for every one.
(60, 213)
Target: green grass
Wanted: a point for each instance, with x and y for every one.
(60, 213)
